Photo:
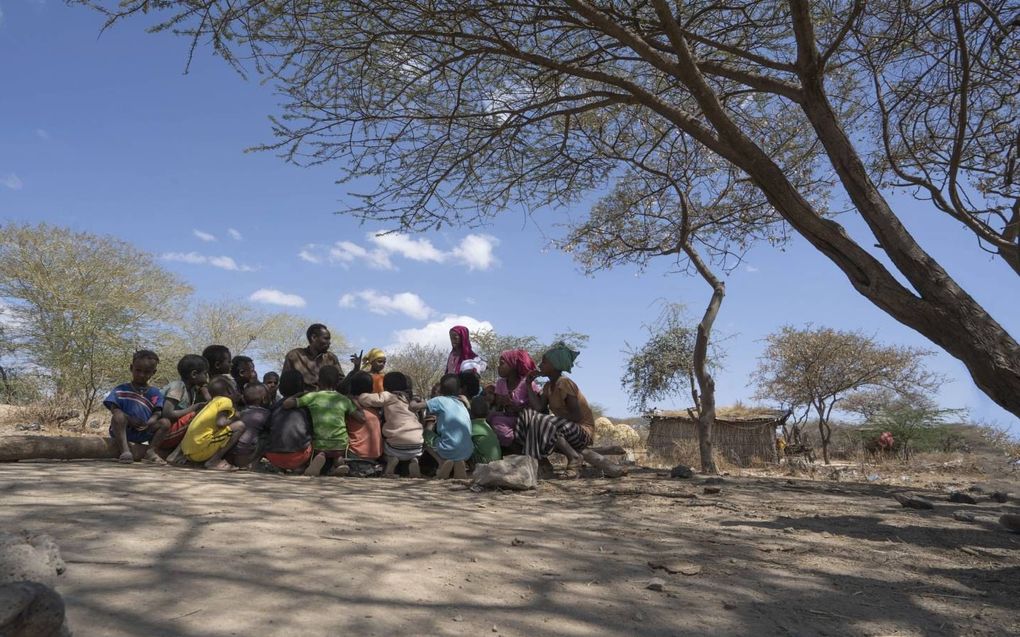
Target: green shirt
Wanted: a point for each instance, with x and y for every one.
(486, 442)
(329, 411)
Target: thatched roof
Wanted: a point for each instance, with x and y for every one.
(735, 414)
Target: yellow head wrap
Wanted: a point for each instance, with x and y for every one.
(373, 355)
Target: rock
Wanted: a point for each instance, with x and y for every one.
(681, 471)
(94, 424)
(911, 501)
(31, 609)
(458, 618)
(517, 542)
(512, 472)
(999, 496)
(715, 480)
(1011, 521)
(976, 489)
(964, 516)
(728, 605)
(28, 557)
(656, 584)
(711, 490)
(673, 566)
(962, 498)
(28, 426)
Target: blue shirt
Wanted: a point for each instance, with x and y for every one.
(453, 426)
(137, 404)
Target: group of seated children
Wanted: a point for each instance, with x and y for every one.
(219, 414)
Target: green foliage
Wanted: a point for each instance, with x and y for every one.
(662, 367)
(918, 424)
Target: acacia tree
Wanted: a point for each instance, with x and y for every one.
(461, 107)
(81, 304)
(423, 364)
(819, 367)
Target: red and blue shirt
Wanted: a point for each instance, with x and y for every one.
(137, 403)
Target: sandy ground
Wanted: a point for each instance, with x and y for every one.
(163, 551)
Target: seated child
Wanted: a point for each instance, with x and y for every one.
(401, 429)
(242, 370)
(272, 381)
(365, 436)
(256, 420)
(136, 409)
(328, 409)
(470, 384)
(290, 430)
(215, 429)
(484, 439)
(184, 398)
(452, 436)
(219, 359)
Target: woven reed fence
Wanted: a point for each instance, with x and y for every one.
(742, 441)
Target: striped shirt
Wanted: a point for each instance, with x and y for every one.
(138, 403)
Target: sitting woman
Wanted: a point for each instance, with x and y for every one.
(511, 395)
(462, 358)
(570, 425)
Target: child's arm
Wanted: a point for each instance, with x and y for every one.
(358, 415)
(416, 404)
(574, 409)
(292, 402)
(223, 419)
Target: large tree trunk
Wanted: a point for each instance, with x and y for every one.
(14, 448)
(706, 384)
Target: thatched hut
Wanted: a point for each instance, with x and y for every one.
(740, 435)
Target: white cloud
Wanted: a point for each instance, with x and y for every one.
(235, 234)
(404, 302)
(41, 133)
(475, 251)
(194, 258)
(12, 181)
(405, 246)
(276, 297)
(204, 236)
(345, 253)
(308, 255)
(437, 332)
(750, 268)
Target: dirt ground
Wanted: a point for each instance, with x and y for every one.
(163, 551)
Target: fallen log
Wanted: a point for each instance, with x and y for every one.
(14, 448)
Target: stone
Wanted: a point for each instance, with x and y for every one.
(712, 490)
(26, 556)
(911, 501)
(517, 542)
(674, 567)
(656, 584)
(962, 498)
(681, 471)
(976, 489)
(513, 472)
(94, 424)
(31, 609)
(28, 426)
(714, 480)
(964, 516)
(999, 496)
(458, 618)
(1011, 521)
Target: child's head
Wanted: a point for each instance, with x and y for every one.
(242, 369)
(329, 377)
(143, 366)
(220, 386)
(271, 380)
(479, 407)
(449, 385)
(470, 384)
(291, 382)
(254, 394)
(397, 381)
(360, 383)
(193, 369)
(218, 357)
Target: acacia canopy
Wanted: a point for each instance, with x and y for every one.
(459, 108)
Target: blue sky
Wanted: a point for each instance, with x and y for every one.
(107, 134)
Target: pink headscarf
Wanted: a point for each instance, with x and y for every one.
(520, 360)
(466, 353)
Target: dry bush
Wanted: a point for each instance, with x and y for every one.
(51, 412)
(686, 452)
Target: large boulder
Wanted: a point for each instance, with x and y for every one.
(31, 609)
(26, 556)
(512, 472)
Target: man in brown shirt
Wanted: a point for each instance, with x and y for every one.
(308, 360)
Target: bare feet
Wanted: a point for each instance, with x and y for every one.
(413, 468)
(153, 457)
(220, 465)
(315, 466)
(340, 470)
(125, 458)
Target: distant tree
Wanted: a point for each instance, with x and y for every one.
(423, 364)
(819, 367)
(263, 335)
(456, 109)
(81, 303)
(917, 423)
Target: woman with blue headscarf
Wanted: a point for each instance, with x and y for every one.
(559, 419)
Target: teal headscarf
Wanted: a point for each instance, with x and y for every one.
(561, 356)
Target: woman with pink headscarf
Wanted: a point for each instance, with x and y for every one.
(462, 357)
(511, 393)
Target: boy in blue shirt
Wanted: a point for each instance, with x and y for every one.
(136, 409)
(452, 436)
